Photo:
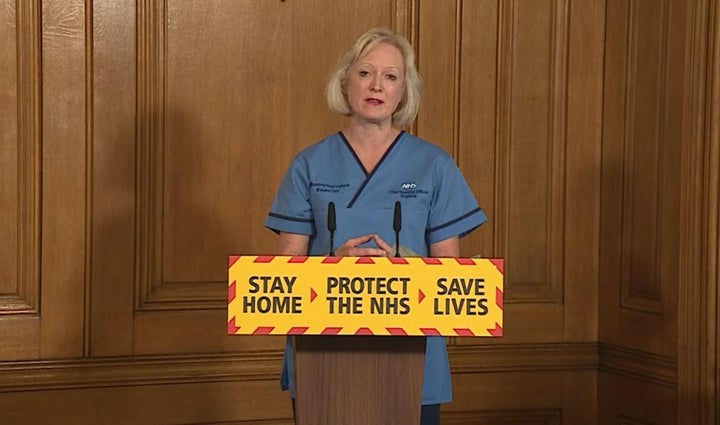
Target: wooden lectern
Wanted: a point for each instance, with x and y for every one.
(349, 380)
(360, 324)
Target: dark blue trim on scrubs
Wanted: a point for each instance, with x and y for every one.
(450, 223)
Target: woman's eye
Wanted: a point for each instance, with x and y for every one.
(364, 73)
(391, 77)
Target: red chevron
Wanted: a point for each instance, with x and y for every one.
(465, 261)
(231, 292)
(421, 296)
(331, 260)
(430, 331)
(232, 259)
(364, 260)
(231, 328)
(499, 298)
(263, 258)
(330, 331)
(499, 264)
(297, 259)
(396, 331)
(297, 330)
(313, 295)
(498, 331)
(397, 260)
(463, 332)
(263, 330)
(432, 261)
(364, 331)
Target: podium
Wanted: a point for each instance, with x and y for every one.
(348, 380)
(359, 325)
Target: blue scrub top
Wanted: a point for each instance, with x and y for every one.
(436, 201)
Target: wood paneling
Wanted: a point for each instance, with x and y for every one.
(528, 145)
(628, 400)
(641, 175)
(20, 157)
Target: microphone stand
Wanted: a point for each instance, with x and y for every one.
(331, 225)
(397, 225)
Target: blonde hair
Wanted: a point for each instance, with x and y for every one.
(336, 89)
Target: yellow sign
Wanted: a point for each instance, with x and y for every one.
(279, 295)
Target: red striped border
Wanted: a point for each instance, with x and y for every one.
(465, 261)
(264, 259)
(365, 260)
(231, 292)
(231, 327)
(398, 260)
(498, 331)
(432, 261)
(463, 332)
(499, 264)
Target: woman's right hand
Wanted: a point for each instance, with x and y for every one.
(352, 248)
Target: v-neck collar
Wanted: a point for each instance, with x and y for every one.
(368, 175)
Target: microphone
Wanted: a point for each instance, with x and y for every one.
(331, 226)
(397, 225)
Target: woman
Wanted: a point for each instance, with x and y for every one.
(364, 170)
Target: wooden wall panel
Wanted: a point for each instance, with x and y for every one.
(113, 178)
(20, 182)
(528, 148)
(646, 84)
(477, 107)
(196, 403)
(621, 402)
(641, 178)
(64, 177)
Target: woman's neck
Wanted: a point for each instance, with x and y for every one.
(370, 136)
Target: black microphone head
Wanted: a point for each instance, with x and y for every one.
(397, 219)
(331, 217)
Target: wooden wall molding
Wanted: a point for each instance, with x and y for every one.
(29, 145)
(523, 357)
(637, 365)
(265, 365)
(624, 420)
(138, 370)
(509, 417)
(699, 319)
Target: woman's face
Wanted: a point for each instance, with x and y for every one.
(375, 84)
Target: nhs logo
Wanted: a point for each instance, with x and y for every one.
(412, 185)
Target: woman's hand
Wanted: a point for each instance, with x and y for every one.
(351, 247)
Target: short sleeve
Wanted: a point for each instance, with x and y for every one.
(454, 210)
(291, 210)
